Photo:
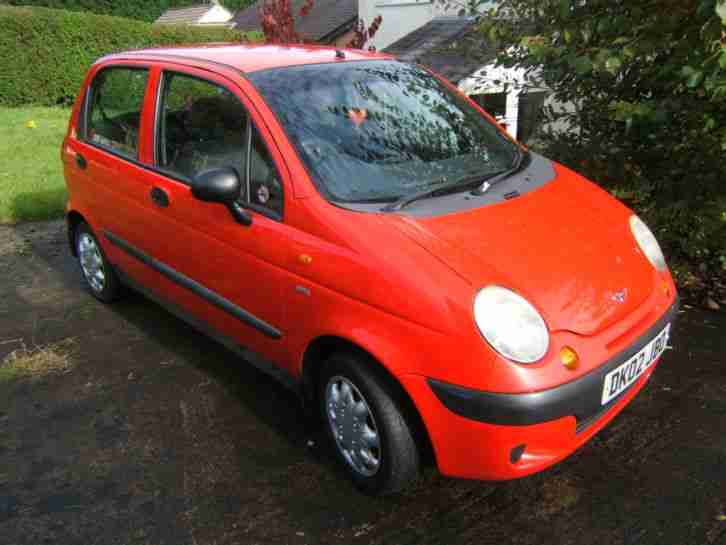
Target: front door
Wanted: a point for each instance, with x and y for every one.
(226, 274)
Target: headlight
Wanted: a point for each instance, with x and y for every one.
(511, 325)
(647, 242)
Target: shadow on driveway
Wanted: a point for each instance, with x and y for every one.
(158, 435)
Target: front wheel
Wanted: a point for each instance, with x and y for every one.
(97, 271)
(366, 425)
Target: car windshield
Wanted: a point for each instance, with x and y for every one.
(375, 131)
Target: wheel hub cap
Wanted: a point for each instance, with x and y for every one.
(91, 262)
(353, 426)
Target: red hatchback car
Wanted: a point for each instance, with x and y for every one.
(360, 229)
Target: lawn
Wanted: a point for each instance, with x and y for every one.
(31, 176)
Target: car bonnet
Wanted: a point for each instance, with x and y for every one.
(565, 246)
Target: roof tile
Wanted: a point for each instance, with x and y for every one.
(434, 45)
(183, 16)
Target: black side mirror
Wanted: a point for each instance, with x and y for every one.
(221, 185)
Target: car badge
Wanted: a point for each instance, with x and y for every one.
(620, 296)
(484, 187)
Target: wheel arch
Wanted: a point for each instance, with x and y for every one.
(73, 220)
(322, 347)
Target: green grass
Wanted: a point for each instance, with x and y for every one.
(37, 362)
(31, 175)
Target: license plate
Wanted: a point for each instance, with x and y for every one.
(618, 380)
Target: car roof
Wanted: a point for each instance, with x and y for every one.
(250, 57)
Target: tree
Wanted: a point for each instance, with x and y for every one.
(466, 7)
(278, 24)
(361, 34)
(646, 82)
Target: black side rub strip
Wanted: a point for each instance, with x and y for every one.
(195, 287)
(580, 398)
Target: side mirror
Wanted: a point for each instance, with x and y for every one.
(221, 185)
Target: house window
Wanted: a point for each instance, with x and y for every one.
(494, 103)
(524, 116)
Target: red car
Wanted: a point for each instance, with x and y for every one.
(363, 231)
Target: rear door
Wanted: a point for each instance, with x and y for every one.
(111, 144)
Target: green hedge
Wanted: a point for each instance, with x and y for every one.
(145, 10)
(45, 53)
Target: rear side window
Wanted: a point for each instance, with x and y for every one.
(114, 111)
(201, 126)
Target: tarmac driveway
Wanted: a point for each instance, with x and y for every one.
(146, 432)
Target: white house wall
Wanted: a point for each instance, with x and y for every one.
(400, 17)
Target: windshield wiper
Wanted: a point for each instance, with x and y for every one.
(432, 192)
(482, 184)
(520, 162)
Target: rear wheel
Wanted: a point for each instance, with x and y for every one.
(97, 271)
(366, 425)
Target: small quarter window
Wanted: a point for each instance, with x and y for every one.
(202, 126)
(114, 111)
(265, 187)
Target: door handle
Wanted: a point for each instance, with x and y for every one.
(159, 197)
(81, 161)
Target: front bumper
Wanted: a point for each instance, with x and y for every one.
(495, 436)
(579, 398)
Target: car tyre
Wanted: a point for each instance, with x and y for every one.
(366, 424)
(97, 272)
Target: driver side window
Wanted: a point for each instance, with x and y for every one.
(204, 126)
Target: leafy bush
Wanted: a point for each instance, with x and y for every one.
(645, 81)
(45, 53)
(145, 10)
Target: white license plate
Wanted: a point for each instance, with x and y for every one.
(618, 380)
